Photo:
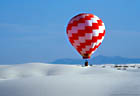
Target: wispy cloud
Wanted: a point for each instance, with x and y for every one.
(20, 28)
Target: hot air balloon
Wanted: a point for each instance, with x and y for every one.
(85, 32)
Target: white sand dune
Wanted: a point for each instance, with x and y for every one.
(39, 79)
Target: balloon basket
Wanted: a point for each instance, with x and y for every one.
(86, 63)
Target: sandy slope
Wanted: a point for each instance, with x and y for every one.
(38, 79)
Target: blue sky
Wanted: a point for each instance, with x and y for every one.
(34, 30)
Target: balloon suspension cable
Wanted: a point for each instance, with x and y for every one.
(86, 62)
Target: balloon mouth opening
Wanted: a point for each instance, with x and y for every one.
(86, 56)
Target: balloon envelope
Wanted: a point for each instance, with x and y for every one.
(85, 32)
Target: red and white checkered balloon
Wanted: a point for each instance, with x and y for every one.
(86, 32)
